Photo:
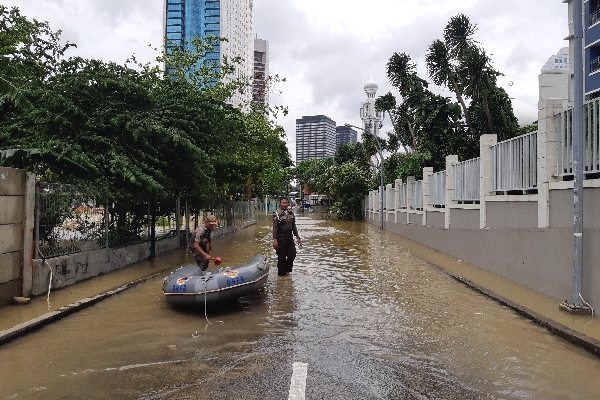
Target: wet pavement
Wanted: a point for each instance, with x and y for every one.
(368, 318)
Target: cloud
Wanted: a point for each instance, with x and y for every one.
(327, 49)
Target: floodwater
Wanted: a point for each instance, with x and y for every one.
(369, 319)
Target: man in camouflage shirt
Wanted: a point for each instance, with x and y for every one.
(202, 243)
(284, 230)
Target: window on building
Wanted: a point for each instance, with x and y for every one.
(594, 58)
(594, 12)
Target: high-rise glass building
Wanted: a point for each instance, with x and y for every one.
(230, 19)
(344, 134)
(315, 138)
(260, 91)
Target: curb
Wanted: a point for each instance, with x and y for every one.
(579, 339)
(32, 325)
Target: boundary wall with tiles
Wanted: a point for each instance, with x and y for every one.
(509, 211)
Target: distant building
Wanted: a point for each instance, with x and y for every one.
(343, 135)
(260, 92)
(556, 76)
(231, 19)
(315, 138)
(559, 62)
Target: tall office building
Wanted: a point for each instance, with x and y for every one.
(230, 19)
(315, 138)
(260, 93)
(343, 135)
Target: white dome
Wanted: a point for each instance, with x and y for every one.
(371, 85)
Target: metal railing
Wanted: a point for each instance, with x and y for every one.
(69, 220)
(466, 180)
(415, 188)
(390, 199)
(515, 164)
(437, 189)
(564, 124)
(402, 196)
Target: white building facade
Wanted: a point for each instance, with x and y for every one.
(555, 77)
(237, 26)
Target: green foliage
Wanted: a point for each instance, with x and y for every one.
(132, 132)
(345, 179)
(427, 127)
(412, 164)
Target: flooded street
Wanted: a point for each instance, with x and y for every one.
(370, 320)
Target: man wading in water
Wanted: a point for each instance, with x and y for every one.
(284, 230)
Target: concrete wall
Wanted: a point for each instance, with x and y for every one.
(73, 268)
(561, 208)
(540, 259)
(416, 218)
(464, 218)
(15, 217)
(512, 214)
(436, 219)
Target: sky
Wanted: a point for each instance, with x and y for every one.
(328, 49)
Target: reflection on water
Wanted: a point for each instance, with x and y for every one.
(371, 320)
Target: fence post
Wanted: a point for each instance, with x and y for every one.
(486, 171)
(153, 229)
(547, 155)
(389, 206)
(178, 219)
(410, 200)
(106, 225)
(397, 189)
(427, 172)
(28, 235)
(36, 238)
(187, 223)
(450, 187)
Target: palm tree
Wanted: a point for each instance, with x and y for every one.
(474, 73)
(443, 72)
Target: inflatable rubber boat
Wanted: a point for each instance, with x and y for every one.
(190, 286)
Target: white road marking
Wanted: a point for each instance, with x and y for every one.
(298, 383)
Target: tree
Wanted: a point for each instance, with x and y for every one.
(132, 132)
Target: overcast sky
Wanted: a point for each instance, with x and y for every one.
(327, 49)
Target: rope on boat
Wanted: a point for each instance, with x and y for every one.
(206, 307)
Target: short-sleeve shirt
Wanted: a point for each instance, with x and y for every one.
(202, 236)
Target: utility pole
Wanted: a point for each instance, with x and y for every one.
(576, 303)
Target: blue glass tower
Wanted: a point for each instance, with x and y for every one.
(187, 19)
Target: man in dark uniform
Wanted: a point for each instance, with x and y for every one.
(202, 243)
(284, 230)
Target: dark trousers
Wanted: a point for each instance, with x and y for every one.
(202, 263)
(286, 253)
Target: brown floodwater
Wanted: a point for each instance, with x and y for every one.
(370, 319)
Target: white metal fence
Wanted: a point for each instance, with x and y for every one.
(515, 164)
(437, 189)
(389, 199)
(466, 180)
(564, 124)
(402, 196)
(415, 189)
